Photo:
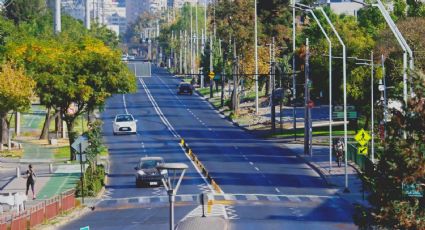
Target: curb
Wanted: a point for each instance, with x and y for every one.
(224, 116)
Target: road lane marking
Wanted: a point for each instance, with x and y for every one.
(257, 169)
(158, 110)
(251, 163)
(125, 103)
(277, 190)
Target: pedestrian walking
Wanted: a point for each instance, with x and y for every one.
(30, 175)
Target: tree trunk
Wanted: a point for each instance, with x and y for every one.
(58, 122)
(4, 127)
(45, 131)
(72, 135)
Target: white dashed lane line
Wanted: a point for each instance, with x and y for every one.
(257, 169)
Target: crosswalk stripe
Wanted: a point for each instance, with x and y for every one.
(251, 197)
(273, 198)
(294, 199)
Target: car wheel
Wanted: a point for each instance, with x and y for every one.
(115, 133)
(138, 184)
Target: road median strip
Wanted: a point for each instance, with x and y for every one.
(200, 166)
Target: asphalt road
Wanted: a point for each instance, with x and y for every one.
(297, 197)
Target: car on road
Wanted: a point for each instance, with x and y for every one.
(124, 123)
(147, 174)
(185, 88)
(124, 57)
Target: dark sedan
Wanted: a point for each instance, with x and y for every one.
(147, 174)
(185, 88)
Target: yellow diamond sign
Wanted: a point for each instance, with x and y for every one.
(362, 150)
(211, 75)
(362, 137)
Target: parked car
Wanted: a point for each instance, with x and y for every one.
(185, 88)
(124, 123)
(147, 174)
(124, 57)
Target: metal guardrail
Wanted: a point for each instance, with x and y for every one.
(365, 164)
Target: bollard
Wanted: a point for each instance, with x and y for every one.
(203, 204)
(50, 168)
(18, 172)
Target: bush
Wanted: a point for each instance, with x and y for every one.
(93, 181)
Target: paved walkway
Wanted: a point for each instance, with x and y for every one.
(48, 184)
(334, 175)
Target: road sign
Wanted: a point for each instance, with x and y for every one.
(362, 137)
(362, 150)
(81, 140)
(211, 75)
(412, 190)
(85, 228)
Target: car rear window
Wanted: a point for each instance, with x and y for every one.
(124, 118)
(148, 164)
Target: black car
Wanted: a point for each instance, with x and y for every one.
(185, 88)
(147, 174)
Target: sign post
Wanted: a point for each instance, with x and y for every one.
(80, 145)
(211, 75)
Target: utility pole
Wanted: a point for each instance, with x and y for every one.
(272, 87)
(235, 80)
(371, 111)
(87, 14)
(294, 86)
(211, 68)
(181, 54)
(196, 31)
(307, 128)
(256, 56)
(57, 21)
(191, 41)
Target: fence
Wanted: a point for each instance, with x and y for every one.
(39, 213)
(361, 160)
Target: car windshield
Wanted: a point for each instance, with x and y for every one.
(122, 118)
(148, 164)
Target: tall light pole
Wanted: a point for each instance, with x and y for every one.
(344, 73)
(87, 14)
(57, 21)
(294, 86)
(256, 56)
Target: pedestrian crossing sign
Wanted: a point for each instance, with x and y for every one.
(362, 137)
(362, 150)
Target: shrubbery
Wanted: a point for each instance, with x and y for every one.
(93, 181)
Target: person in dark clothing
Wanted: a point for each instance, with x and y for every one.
(30, 174)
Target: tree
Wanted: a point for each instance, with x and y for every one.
(401, 162)
(24, 10)
(16, 90)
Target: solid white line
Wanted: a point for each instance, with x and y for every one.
(158, 110)
(125, 103)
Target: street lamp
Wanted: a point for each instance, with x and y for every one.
(344, 67)
(168, 183)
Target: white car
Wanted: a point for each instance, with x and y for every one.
(124, 123)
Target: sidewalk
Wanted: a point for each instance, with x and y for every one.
(334, 175)
(48, 184)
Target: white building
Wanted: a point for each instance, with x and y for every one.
(107, 12)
